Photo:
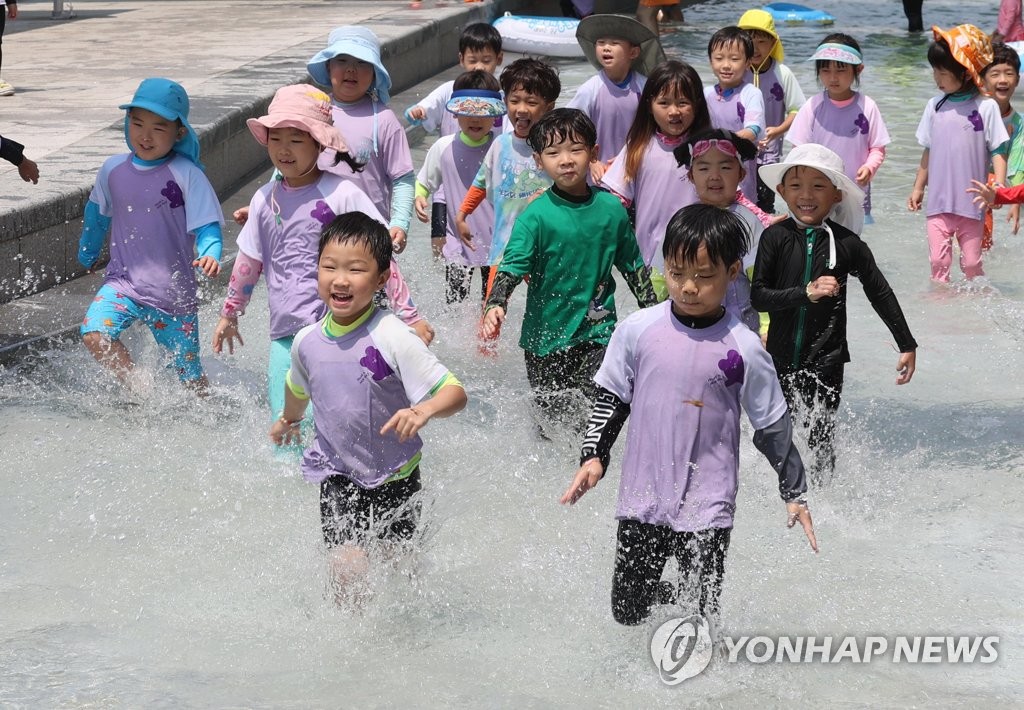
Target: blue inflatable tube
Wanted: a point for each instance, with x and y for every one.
(788, 13)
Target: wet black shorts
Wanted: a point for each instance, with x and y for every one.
(350, 513)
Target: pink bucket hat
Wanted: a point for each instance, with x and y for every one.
(304, 107)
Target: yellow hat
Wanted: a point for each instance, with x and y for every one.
(763, 21)
(970, 47)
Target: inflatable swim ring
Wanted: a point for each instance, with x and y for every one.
(792, 14)
(547, 36)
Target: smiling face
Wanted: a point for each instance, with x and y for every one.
(347, 279)
(567, 164)
(524, 110)
(152, 136)
(728, 63)
(475, 127)
(838, 78)
(484, 59)
(764, 43)
(616, 57)
(672, 113)
(294, 153)
(350, 77)
(1001, 82)
(697, 288)
(716, 176)
(809, 194)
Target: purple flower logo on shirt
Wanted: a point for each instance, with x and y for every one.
(376, 364)
(173, 194)
(975, 119)
(732, 368)
(322, 213)
(862, 124)
(776, 92)
(741, 112)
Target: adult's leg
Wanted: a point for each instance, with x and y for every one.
(912, 9)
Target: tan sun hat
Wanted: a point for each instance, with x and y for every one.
(595, 27)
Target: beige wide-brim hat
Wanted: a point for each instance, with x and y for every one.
(595, 27)
(850, 211)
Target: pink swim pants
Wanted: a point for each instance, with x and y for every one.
(968, 232)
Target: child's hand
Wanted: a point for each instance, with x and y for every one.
(27, 169)
(416, 114)
(284, 432)
(398, 238)
(798, 510)
(905, 366)
(597, 170)
(1014, 218)
(465, 236)
(586, 478)
(822, 287)
(424, 330)
(491, 324)
(208, 264)
(863, 176)
(770, 134)
(226, 330)
(421, 206)
(983, 194)
(915, 200)
(406, 422)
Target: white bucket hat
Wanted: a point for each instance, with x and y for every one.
(849, 211)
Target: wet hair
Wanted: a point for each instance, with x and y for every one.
(722, 233)
(532, 76)
(671, 77)
(562, 124)
(731, 35)
(746, 149)
(479, 36)
(359, 229)
(1002, 54)
(476, 79)
(840, 38)
(940, 57)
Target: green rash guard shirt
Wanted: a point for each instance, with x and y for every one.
(568, 247)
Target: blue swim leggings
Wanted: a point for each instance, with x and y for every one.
(111, 313)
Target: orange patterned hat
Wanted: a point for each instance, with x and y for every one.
(970, 47)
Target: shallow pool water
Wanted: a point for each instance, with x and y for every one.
(154, 552)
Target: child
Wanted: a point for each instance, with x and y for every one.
(159, 207)
(566, 241)
(624, 52)
(782, 95)
(714, 161)
(1001, 78)
(509, 176)
(367, 375)
(284, 224)
(453, 161)
(841, 119)
(734, 104)
(683, 370)
(645, 173)
(800, 278)
(960, 131)
(352, 67)
(479, 48)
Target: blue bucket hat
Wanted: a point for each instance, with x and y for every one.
(166, 99)
(357, 42)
